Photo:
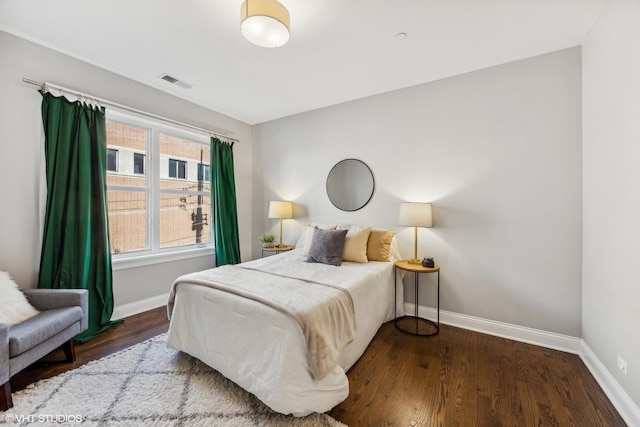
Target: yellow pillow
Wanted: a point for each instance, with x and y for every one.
(355, 244)
(379, 245)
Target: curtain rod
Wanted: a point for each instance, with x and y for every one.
(64, 90)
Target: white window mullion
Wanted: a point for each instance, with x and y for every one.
(154, 196)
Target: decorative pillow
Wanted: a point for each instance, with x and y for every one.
(355, 244)
(305, 240)
(379, 245)
(394, 252)
(14, 307)
(326, 246)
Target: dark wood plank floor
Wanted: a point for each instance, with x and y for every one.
(465, 378)
(457, 378)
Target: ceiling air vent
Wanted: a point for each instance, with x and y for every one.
(175, 81)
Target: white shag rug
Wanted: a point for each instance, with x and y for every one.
(146, 385)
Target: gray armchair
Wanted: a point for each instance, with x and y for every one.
(63, 315)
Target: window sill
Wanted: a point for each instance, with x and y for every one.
(159, 258)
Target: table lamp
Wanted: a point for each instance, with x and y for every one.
(415, 215)
(280, 210)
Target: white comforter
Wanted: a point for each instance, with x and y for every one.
(263, 349)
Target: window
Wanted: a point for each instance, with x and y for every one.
(177, 169)
(185, 205)
(112, 160)
(203, 172)
(156, 203)
(127, 192)
(138, 163)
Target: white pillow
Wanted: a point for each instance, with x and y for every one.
(308, 239)
(303, 239)
(14, 307)
(394, 252)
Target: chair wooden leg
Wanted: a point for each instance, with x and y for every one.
(69, 351)
(5, 397)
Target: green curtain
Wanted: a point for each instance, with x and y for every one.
(75, 244)
(225, 210)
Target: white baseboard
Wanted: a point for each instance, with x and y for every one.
(627, 409)
(126, 310)
(504, 330)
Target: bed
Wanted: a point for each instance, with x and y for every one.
(263, 348)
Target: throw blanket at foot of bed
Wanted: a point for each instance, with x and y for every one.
(324, 312)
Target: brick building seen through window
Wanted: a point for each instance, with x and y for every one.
(171, 212)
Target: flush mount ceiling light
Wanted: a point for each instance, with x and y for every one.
(264, 22)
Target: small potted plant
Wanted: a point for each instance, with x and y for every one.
(267, 240)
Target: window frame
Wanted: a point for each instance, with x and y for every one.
(137, 156)
(204, 172)
(180, 165)
(116, 153)
(155, 254)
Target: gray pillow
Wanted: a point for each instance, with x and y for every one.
(326, 246)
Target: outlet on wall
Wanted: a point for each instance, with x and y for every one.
(622, 365)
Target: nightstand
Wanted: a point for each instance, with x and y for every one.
(417, 270)
(276, 250)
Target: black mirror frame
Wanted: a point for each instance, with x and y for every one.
(373, 185)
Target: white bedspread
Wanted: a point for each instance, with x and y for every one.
(324, 312)
(263, 350)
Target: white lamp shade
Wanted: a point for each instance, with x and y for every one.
(416, 214)
(280, 209)
(264, 22)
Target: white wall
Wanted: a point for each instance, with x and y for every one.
(21, 124)
(611, 197)
(497, 151)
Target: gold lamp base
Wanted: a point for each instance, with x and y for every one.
(415, 259)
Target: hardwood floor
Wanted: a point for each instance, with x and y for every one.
(456, 378)
(465, 378)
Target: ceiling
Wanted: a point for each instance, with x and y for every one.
(340, 50)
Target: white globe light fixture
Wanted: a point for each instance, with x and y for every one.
(264, 22)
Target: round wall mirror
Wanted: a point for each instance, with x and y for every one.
(350, 185)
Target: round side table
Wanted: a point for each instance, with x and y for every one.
(417, 270)
(276, 249)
